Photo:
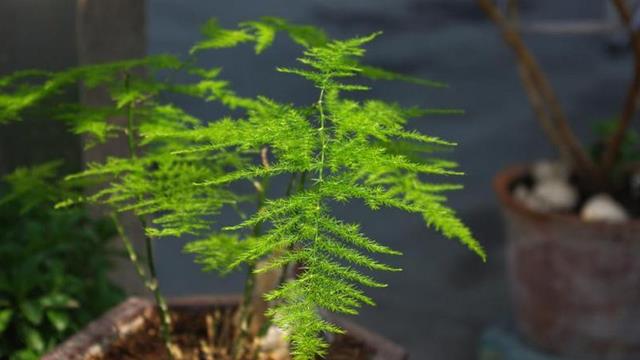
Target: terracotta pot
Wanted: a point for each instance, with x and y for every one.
(575, 284)
(132, 315)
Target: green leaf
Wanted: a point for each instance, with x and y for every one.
(376, 73)
(57, 300)
(32, 338)
(59, 319)
(25, 355)
(5, 319)
(264, 34)
(217, 37)
(32, 311)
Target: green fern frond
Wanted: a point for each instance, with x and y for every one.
(347, 148)
(180, 169)
(218, 252)
(217, 37)
(376, 73)
(264, 34)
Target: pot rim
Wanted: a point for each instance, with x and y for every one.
(502, 182)
(127, 316)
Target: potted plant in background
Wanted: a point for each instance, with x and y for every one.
(298, 162)
(573, 251)
(49, 287)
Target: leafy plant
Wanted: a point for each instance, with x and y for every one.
(49, 287)
(629, 146)
(180, 172)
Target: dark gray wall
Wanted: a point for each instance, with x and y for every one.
(37, 34)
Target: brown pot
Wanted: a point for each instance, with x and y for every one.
(575, 284)
(132, 316)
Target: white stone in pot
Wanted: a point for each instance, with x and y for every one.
(522, 194)
(602, 207)
(281, 354)
(556, 195)
(545, 170)
(274, 345)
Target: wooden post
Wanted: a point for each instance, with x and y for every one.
(37, 34)
(111, 30)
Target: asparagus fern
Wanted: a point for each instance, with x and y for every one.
(180, 169)
(346, 147)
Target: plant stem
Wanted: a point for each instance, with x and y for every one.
(545, 101)
(161, 304)
(131, 141)
(292, 179)
(323, 146)
(303, 180)
(284, 271)
(245, 313)
(131, 251)
(246, 308)
(285, 268)
(614, 143)
(322, 135)
(151, 282)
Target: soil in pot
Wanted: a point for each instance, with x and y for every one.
(207, 334)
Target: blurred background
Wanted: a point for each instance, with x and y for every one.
(439, 306)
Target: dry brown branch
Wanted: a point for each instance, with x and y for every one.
(534, 96)
(264, 157)
(614, 143)
(543, 98)
(540, 110)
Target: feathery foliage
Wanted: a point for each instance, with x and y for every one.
(180, 169)
(350, 151)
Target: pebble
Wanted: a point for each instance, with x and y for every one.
(555, 194)
(602, 207)
(273, 344)
(523, 195)
(545, 170)
(281, 354)
(551, 190)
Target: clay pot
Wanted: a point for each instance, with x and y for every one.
(575, 284)
(132, 316)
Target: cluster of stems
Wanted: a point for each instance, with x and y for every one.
(253, 303)
(149, 276)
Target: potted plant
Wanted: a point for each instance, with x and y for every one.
(49, 288)
(303, 263)
(573, 251)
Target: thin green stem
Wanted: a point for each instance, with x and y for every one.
(303, 180)
(322, 135)
(284, 274)
(250, 284)
(151, 282)
(323, 146)
(153, 286)
(292, 179)
(131, 140)
(245, 312)
(128, 245)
